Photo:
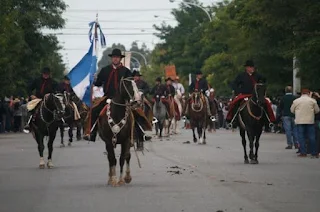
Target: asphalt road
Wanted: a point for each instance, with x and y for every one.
(174, 177)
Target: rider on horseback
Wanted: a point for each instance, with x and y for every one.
(159, 89)
(65, 86)
(109, 77)
(200, 84)
(243, 87)
(141, 84)
(42, 85)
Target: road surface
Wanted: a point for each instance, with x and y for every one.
(175, 177)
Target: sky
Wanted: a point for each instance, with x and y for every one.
(122, 21)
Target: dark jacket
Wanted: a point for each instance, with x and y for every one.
(143, 86)
(285, 105)
(111, 85)
(318, 114)
(244, 84)
(42, 87)
(158, 90)
(170, 90)
(201, 85)
(63, 87)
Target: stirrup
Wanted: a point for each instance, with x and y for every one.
(213, 119)
(271, 125)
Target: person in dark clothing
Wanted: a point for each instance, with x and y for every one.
(159, 89)
(141, 84)
(243, 87)
(109, 77)
(42, 86)
(170, 90)
(316, 96)
(288, 118)
(199, 84)
(65, 86)
(17, 115)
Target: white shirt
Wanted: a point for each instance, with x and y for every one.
(97, 92)
(178, 86)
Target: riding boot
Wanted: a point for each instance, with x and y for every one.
(26, 128)
(208, 107)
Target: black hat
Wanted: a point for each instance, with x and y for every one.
(249, 63)
(66, 77)
(116, 52)
(136, 74)
(169, 78)
(158, 79)
(198, 73)
(46, 70)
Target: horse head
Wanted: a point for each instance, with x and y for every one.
(259, 94)
(55, 103)
(196, 98)
(129, 90)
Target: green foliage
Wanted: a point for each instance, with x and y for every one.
(269, 32)
(24, 49)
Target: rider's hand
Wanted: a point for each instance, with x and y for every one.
(33, 97)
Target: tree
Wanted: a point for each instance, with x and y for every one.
(24, 49)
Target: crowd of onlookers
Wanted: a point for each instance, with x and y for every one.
(13, 114)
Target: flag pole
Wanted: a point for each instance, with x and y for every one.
(91, 86)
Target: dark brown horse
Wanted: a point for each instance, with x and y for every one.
(251, 120)
(198, 116)
(116, 126)
(45, 122)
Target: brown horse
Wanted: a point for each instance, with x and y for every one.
(214, 111)
(198, 116)
(116, 126)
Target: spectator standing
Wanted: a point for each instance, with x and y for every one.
(17, 115)
(305, 109)
(288, 118)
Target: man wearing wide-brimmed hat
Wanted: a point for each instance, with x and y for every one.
(42, 86)
(243, 87)
(199, 84)
(141, 84)
(109, 78)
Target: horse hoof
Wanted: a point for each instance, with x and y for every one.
(62, 145)
(113, 181)
(121, 182)
(128, 179)
(254, 162)
(42, 166)
(69, 144)
(50, 164)
(79, 138)
(246, 161)
(195, 140)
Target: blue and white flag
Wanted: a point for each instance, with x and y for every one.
(82, 75)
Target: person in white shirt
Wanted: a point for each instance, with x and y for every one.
(178, 86)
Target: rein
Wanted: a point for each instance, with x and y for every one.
(44, 106)
(201, 106)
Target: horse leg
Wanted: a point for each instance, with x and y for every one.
(128, 177)
(251, 140)
(257, 144)
(52, 136)
(160, 130)
(112, 164)
(244, 144)
(78, 131)
(199, 128)
(204, 135)
(61, 127)
(70, 132)
(39, 140)
(123, 156)
(194, 135)
(157, 127)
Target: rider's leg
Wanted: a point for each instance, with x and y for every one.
(26, 128)
(208, 106)
(92, 133)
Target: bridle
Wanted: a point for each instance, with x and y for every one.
(200, 104)
(122, 83)
(53, 112)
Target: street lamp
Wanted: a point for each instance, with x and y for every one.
(196, 5)
(144, 57)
